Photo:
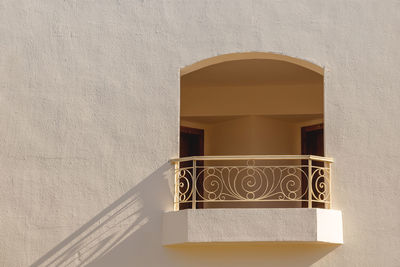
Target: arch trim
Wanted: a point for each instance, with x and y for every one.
(250, 55)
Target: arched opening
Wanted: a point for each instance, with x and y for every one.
(251, 106)
(248, 104)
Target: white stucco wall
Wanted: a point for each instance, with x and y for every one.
(89, 112)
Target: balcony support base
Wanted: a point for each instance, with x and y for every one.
(225, 226)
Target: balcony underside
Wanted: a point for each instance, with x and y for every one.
(210, 226)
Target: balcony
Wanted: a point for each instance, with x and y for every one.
(281, 198)
(252, 104)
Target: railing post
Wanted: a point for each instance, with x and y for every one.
(194, 190)
(309, 183)
(176, 196)
(330, 184)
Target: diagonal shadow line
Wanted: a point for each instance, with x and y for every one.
(100, 245)
(113, 244)
(87, 245)
(91, 232)
(136, 193)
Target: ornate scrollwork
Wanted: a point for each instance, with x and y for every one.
(321, 182)
(252, 183)
(184, 180)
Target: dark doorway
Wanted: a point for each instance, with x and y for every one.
(312, 143)
(191, 143)
(312, 140)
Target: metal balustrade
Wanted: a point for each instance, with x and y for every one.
(252, 181)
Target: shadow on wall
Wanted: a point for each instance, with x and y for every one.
(129, 233)
(133, 218)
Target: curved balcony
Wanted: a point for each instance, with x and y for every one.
(281, 181)
(230, 199)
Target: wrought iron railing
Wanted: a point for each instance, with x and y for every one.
(252, 181)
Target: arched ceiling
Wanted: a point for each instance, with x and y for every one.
(250, 72)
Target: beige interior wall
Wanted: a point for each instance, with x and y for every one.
(245, 120)
(251, 135)
(271, 99)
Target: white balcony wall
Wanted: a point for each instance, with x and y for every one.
(89, 118)
(210, 227)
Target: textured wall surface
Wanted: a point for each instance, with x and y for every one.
(89, 116)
